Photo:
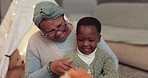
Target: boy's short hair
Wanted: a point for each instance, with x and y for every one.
(89, 21)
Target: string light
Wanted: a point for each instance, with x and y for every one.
(13, 14)
(21, 53)
(16, 2)
(33, 6)
(6, 35)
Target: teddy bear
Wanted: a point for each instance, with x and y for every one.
(16, 67)
(76, 73)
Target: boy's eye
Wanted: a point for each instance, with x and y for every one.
(91, 40)
(80, 39)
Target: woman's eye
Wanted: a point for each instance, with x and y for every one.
(59, 26)
(50, 31)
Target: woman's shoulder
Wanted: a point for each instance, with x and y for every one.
(36, 34)
(102, 53)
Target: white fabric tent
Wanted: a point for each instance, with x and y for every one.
(14, 26)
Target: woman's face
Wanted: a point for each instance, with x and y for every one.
(56, 30)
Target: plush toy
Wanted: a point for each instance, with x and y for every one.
(16, 67)
(76, 73)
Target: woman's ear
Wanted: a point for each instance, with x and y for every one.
(99, 38)
(70, 27)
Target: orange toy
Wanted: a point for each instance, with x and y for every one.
(76, 73)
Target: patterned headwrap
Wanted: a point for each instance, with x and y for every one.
(46, 10)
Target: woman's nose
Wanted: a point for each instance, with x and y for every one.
(58, 33)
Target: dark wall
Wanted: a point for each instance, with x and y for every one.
(0, 12)
(59, 2)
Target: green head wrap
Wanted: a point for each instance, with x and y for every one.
(46, 10)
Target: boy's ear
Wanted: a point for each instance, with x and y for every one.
(99, 38)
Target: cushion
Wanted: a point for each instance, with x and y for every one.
(133, 15)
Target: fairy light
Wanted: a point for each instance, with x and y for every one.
(33, 6)
(13, 14)
(21, 53)
(16, 2)
(6, 35)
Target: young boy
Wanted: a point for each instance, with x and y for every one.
(95, 60)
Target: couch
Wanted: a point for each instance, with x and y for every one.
(125, 29)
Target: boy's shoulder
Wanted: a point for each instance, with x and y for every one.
(70, 54)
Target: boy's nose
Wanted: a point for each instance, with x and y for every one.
(85, 43)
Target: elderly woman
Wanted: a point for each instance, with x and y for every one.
(47, 46)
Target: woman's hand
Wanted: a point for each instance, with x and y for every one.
(59, 67)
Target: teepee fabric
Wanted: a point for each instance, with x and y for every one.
(13, 28)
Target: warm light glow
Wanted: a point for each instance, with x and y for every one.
(33, 6)
(21, 53)
(23, 0)
(16, 2)
(6, 35)
(11, 19)
(13, 14)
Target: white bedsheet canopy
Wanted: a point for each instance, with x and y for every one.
(13, 29)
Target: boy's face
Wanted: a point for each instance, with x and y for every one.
(87, 39)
